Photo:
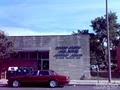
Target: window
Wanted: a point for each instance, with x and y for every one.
(39, 55)
(45, 72)
(22, 55)
(45, 55)
(33, 55)
(53, 73)
(34, 72)
(16, 56)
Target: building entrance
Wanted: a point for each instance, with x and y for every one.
(43, 60)
(43, 64)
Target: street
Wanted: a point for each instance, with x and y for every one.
(60, 88)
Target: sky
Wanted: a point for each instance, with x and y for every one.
(51, 17)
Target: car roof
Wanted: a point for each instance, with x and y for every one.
(43, 70)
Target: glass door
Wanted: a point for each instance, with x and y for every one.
(45, 65)
(43, 60)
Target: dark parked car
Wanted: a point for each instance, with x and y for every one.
(40, 77)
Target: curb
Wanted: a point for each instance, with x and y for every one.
(81, 84)
(3, 82)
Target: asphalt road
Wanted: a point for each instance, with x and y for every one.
(64, 88)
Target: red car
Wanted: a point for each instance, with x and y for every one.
(40, 77)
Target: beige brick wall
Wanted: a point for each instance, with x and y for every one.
(75, 68)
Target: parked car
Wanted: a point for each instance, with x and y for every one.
(17, 71)
(39, 77)
(94, 67)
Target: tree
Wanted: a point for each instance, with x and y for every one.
(95, 49)
(96, 55)
(99, 27)
(6, 47)
(84, 31)
(98, 39)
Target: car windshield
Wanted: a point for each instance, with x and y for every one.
(53, 73)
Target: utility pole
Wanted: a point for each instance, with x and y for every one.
(108, 43)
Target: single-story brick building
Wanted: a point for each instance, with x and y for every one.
(66, 54)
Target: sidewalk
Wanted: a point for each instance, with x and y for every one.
(93, 82)
(3, 81)
(78, 82)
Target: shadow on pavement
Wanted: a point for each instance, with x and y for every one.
(31, 86)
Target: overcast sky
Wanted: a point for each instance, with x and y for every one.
(51, 17)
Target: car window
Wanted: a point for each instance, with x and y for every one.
(44, 72)
(34, 72)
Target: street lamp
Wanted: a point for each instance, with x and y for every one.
(108, 42)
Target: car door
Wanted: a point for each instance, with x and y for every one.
(30, 78)
(43, 77)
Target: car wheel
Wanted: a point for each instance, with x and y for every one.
(53, 83)
(16, 83)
